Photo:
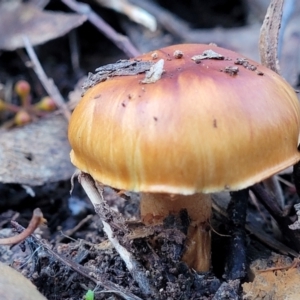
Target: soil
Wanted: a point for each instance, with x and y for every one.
(71, 254)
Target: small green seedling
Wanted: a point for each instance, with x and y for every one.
(90, 295)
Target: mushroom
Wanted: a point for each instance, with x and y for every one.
(214, 121)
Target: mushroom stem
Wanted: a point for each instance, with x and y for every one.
(155, 207)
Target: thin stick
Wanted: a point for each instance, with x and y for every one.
(169, 21)
(133, 12)
(47, 83)
(294, 264)
(36, 220)
(132, 265)
(68, 233)
(121, 41)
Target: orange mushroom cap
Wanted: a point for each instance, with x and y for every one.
(199, 128)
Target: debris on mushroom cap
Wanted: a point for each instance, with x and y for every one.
(154, 73)
(178, 54)
(154, 55)
(120, 68)
(245, 63)
(231, 70)
(207, 54)
(196, 129)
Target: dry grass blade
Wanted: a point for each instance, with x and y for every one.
(48, 84)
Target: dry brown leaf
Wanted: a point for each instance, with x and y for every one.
(37, 153)
(14, 285)
(279, 284)
(18, 19)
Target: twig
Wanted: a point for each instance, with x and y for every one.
(79, 225)
(36, 220)
(121, 41)
(136, 270)
(47, 83)
(268, 42)
(71, 231)
(294, 264)
(14, 217)
(169, 21)
(133, 12)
